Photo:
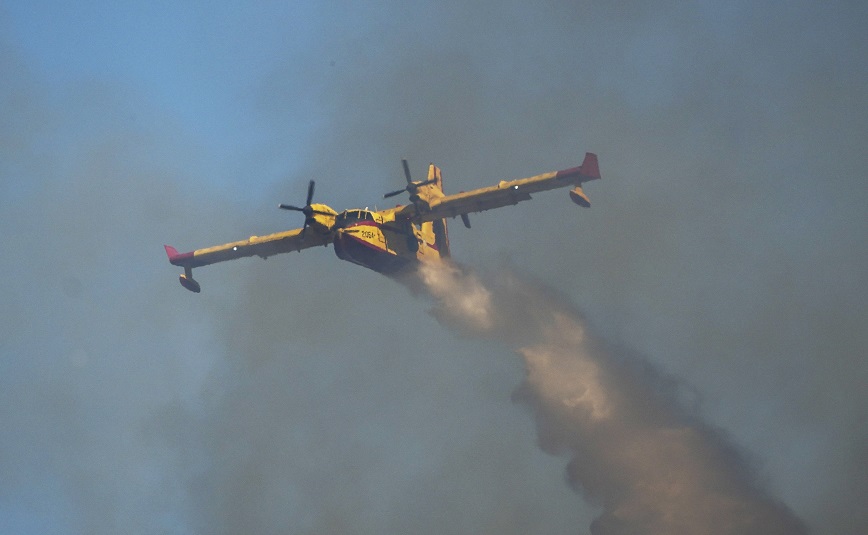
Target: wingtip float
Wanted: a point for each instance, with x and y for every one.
(183, 260)
(391, 240)
(589, 170)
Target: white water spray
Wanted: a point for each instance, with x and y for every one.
(653, 468)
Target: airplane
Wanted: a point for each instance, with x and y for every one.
(393, 240)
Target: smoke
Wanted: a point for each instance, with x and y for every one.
(633, 449)
(307, 395)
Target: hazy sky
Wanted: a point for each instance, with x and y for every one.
(726, 248)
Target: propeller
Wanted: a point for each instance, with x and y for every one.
(308, 210)
(411, 187)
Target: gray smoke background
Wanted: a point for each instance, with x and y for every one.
(722, 268)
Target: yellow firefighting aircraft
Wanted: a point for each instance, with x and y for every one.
(389, 241)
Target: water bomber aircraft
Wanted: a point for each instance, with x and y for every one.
(394, 240)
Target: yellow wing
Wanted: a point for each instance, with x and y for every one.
(510, 192)
(262, 246)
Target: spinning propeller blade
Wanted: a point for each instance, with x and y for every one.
(310, 188)
(411, 187)
(308, 210)
(406, 171)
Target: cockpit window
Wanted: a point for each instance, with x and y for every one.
(349, 217)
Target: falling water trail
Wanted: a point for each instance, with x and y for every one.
(653, 467)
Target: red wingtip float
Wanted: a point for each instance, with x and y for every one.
(391, 240)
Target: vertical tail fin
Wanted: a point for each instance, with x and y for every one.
(439, 226)
(435, 181)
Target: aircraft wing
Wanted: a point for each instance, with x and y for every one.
(262, 246)
(512, 192)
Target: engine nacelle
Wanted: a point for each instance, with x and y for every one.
(579, 197)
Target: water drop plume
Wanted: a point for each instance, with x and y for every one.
(634, 450)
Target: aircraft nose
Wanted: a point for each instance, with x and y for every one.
(340, 235)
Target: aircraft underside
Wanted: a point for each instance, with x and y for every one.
(364, 253)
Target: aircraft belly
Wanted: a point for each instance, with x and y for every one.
(369, 255)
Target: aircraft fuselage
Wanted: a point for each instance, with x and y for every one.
(377, 241)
